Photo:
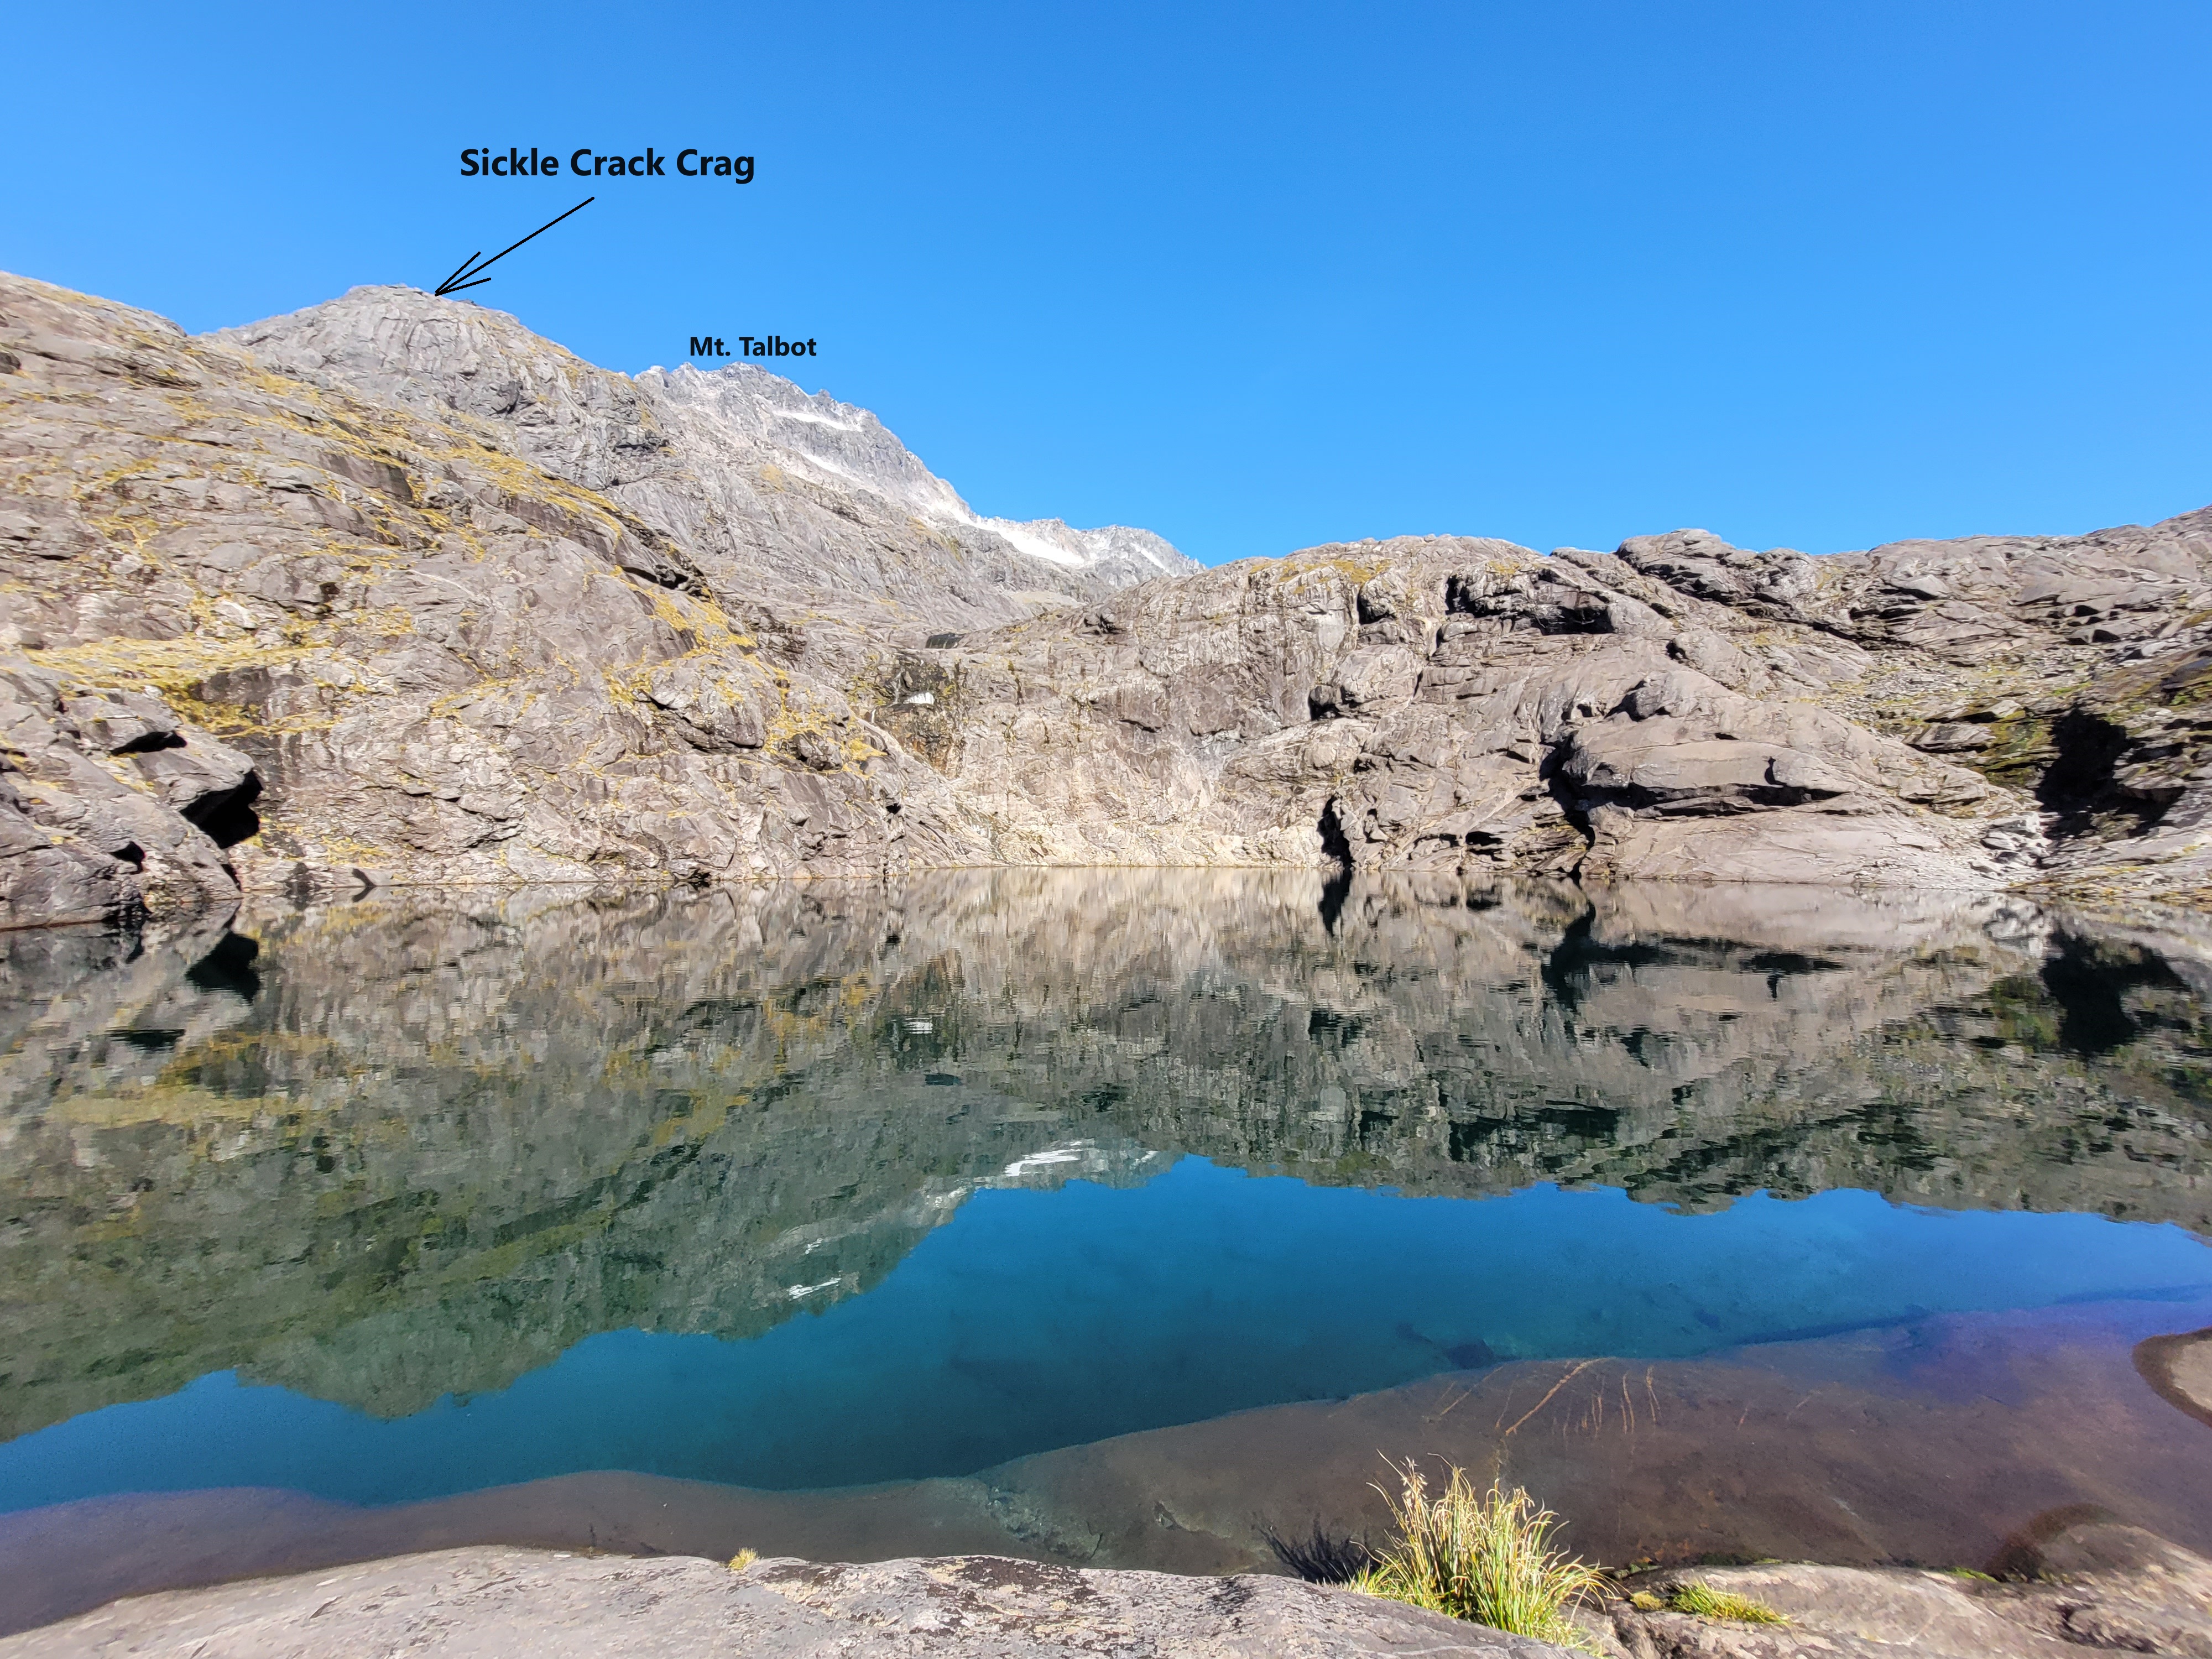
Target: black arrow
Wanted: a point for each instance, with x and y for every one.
(469, 268)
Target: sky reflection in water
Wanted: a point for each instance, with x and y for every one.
(801, 1187)
(1038, 1318)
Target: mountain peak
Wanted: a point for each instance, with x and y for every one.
(695, 451)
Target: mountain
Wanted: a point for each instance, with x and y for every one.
(392, 591)
(769, 491)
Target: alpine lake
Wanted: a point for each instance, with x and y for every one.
(1115, 1218)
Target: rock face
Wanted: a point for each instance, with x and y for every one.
(1968, 714)
(116, 805)
(503, 1601)
(471, 611)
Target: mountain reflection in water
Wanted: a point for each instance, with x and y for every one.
(418, 1147)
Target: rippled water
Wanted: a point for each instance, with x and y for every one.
(810, 1187)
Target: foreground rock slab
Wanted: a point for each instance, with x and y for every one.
(549, 1606)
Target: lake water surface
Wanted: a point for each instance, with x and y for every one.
(801, 1189)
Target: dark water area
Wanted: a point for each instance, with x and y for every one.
(436, 1198)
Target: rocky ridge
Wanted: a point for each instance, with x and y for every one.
(713, 459)
(407, 594)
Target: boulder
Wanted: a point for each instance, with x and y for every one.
(2090, 1585)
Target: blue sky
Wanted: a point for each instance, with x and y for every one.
(1255, 277)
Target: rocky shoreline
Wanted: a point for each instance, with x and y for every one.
(2093, 1586)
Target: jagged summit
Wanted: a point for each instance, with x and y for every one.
(738, 464)
(839, 445)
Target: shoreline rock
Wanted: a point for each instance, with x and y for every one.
(549, 1606)
(2094, 1585)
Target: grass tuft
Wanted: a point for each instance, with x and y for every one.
(1484, 1557)
(1702, 1599)
(743, 1559)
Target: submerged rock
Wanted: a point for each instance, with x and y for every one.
(2180, 1368)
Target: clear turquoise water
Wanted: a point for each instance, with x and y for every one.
(1036, 1319)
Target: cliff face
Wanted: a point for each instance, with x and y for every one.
(1967, 715)
(392, 591)
(385, 1150)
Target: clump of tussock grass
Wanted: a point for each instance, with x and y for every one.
(1482, 1556)
(1700, 1598)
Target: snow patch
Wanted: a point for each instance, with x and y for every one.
(1045, 1160)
